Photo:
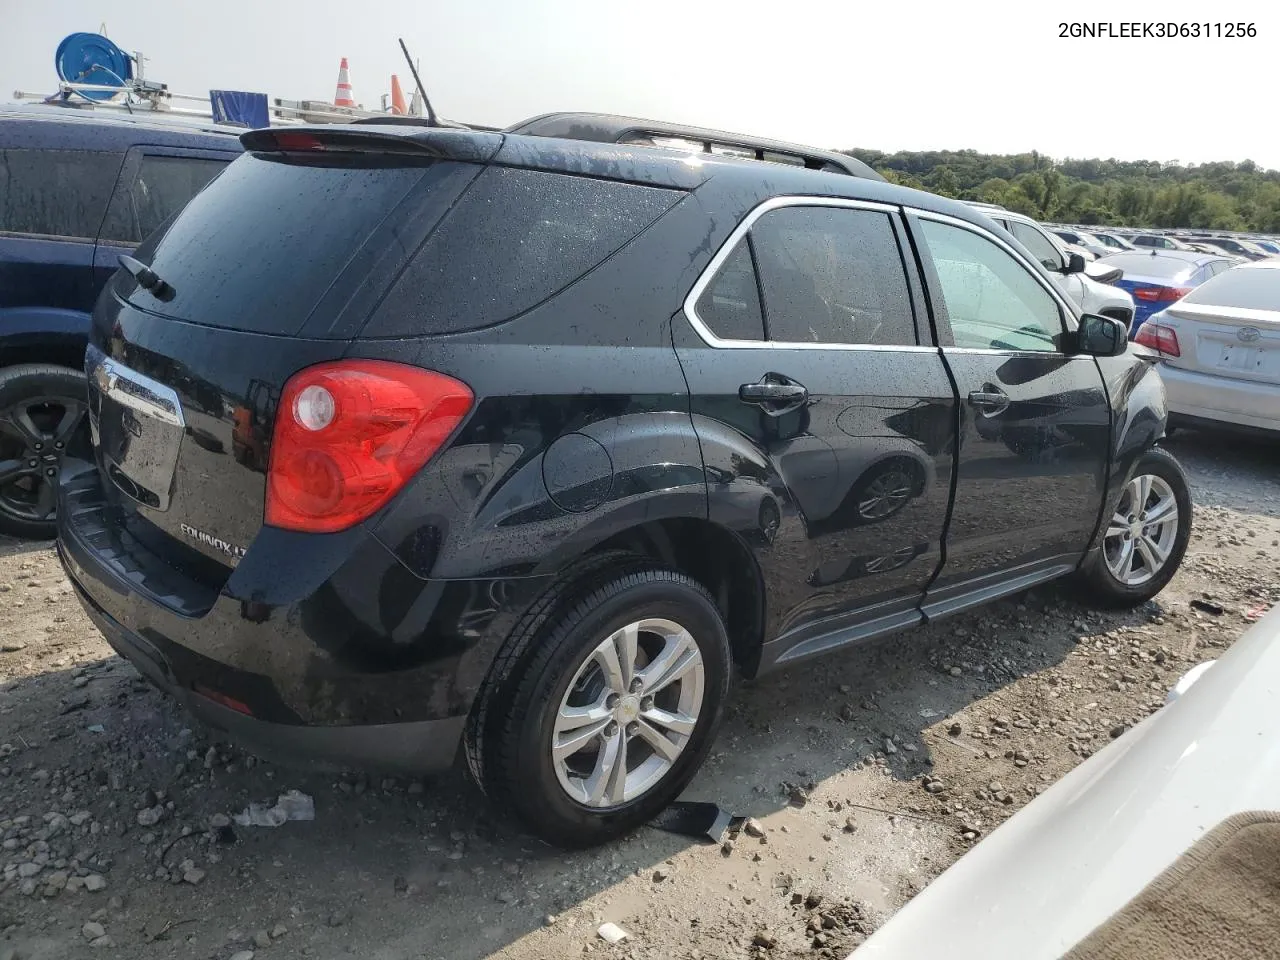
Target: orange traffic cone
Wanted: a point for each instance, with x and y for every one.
(343, 97)
(398, 106)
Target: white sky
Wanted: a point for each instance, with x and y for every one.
(883, 74)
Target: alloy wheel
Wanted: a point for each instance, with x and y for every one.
(1142, 532)
(885, 495)
(34, 433)
(629, 713)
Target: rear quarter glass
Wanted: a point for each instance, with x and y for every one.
(514, 239)
(259, 247)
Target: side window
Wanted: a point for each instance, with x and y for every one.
(730, 306)
(832, 275)
(1041, 247)
(161, 187)
(993, 301)
(56, 193)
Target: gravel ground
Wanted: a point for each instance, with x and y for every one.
(868, 773)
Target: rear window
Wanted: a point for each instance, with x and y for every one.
(161, 186)
(56, 193)
(1242, 289)
(515, 238)
(259, 247)
(1145, 265)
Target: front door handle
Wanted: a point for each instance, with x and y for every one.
(774, 392)
(991, 400)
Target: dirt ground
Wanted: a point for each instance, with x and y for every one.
(869, 772)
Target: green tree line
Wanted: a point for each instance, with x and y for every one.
(1138, 193)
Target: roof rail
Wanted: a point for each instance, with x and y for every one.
(610, 128)
(986, 206)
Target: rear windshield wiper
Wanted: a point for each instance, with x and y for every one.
(147, 278)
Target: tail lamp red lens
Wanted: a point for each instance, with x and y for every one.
(1161, 294)
(1159, 337)
(350, 434)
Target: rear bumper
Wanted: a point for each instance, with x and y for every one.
(414, 747)
(330, 649)
(1206, 397)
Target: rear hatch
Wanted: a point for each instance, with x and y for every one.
(272, 268)
(1230, 326)
(310, 242)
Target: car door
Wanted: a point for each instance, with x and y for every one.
(52, 203)
(154, 184)
(826, 419)
(1034, 422)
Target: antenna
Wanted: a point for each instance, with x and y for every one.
(431, 113)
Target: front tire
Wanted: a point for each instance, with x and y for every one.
(1146, 537)
(611, 708)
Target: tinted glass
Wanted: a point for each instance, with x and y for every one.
(514, 239)
(161, 187)
(1040, 246)
(257, 250)
(56, 193)
(1243, 289)
(1145, 242)
(832, 275)
(992, 300)
(1152, 265)
(730, 306)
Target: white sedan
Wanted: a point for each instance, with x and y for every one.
(1220, 349)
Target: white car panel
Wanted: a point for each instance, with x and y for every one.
(1075, 855)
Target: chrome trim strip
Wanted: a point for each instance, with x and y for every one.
(132, 389)
(726, 250)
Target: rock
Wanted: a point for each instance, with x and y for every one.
(93, 930)
(102, 941)
(845, 688)
(193, 875)
(262, 939)
(219, 820)
(278, 931)
(753, 828)
(95, 883)
(955, 730)
(1118, 730)
(726, 848)
(797, 796)
(934, 786)
(150, 816)
(849, 825)
(764, 940)
(612, 933)
(28, 869)
(549, 920)
(659, 876)
(242, 955)
(955, 671)
(12, 646)
(339, 918)
(813, 900)
(890, 748)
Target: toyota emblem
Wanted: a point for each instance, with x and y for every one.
(1248, 334)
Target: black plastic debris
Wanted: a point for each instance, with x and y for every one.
(696, 818)
(1208, 607)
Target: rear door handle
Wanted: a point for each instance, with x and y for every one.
(990, 399)
(775, 393)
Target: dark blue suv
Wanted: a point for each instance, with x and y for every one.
(77, 190)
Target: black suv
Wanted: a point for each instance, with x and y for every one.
(77, 190)
(411, 442)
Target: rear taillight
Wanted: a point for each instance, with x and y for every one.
(349, 435)
(1159, 337)
(1160, 294)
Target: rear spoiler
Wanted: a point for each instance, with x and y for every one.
(440, 143)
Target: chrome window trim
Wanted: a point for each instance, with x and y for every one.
(730, 245)
(1069, 316)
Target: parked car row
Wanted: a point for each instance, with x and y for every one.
(1111, 240)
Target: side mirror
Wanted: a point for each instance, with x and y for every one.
(1101, 336)
(1075, 263)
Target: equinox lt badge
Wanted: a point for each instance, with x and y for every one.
(210, 540)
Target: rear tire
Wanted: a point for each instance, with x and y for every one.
(1144, 541)
(42, 416)
(530, 744)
